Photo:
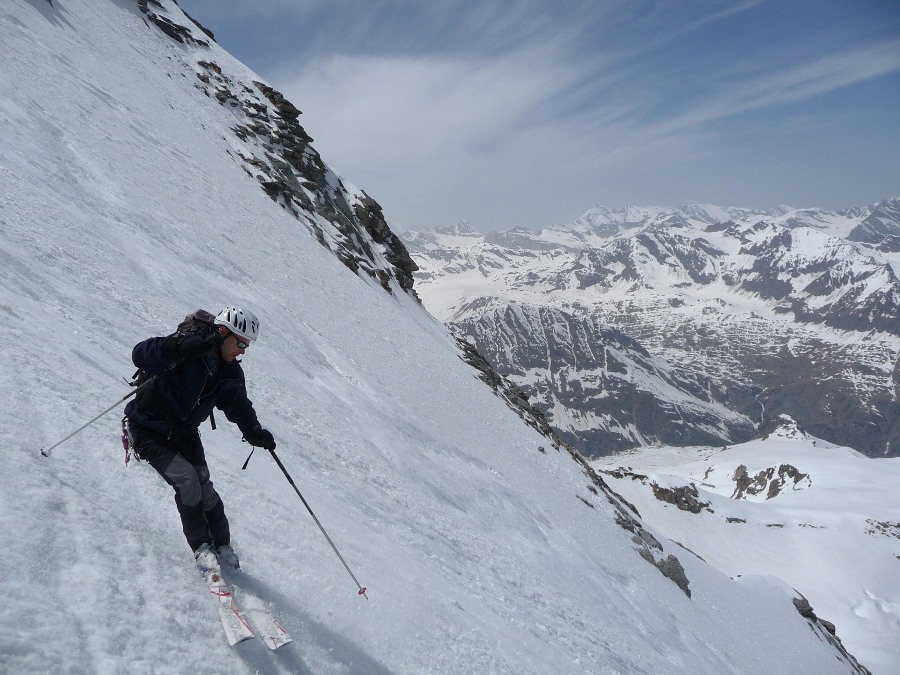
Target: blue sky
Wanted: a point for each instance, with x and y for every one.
(525, 113)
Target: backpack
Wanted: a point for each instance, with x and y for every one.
(198, 321)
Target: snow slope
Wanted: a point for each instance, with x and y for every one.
(830, 527)
(121, 209)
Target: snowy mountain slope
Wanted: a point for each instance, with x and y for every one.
(823, 518)
(880, 228)
(774, 310)
(601, 388)
(122, 207)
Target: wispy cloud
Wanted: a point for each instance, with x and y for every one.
(472, 107)
(771, 90)
(406, 110)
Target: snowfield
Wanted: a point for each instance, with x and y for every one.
(822, 518)
(123, 208)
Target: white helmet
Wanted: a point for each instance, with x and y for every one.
(241, 322)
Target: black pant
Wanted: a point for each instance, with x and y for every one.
(182, 465)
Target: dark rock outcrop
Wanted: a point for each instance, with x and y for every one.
(827, 632)
(598, 373)
(277, 152)
(770, 480)
(685, 497)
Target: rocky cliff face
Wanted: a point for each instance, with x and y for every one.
(680, 326)
(604, 391)
(273, 148)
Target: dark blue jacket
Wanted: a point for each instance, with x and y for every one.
(179, 401)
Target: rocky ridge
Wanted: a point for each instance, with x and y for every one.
(273, 148)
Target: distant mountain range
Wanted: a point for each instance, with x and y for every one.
(691, 325)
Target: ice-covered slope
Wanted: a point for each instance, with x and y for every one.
(823, 518)
(124, 205)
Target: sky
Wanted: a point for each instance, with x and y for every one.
(527, 113)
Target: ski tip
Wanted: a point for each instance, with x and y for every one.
(279, 644)
(237, 639)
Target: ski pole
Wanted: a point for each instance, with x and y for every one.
(46, 453)
(362, 590)
(171, 366)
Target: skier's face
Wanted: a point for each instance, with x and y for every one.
(232, 347)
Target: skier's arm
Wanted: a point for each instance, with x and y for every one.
(239, 410)
(158, 352)
(234, 403)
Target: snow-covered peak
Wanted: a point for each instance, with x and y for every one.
(785, 426)
(460, 229)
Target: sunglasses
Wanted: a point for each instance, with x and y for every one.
(241, 344)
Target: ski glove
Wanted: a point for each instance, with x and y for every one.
(260, 437)
(193, 346)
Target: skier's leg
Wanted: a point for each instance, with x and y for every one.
(182, 476)
(214, 509)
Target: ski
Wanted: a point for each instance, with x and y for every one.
(271, 632)
(257, 611)
(233, 621)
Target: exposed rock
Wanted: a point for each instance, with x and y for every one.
(277, 153)
(285, 108)
(672, 568)
(770, 480)
(369, 213)
(885, 529)
(685, 497)
(827, 631)
(782, 426)
(174, 30)
(805, 609)
(203, 28)
(625, 472)
(574, 363)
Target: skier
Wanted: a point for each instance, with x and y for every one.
(164, 417)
